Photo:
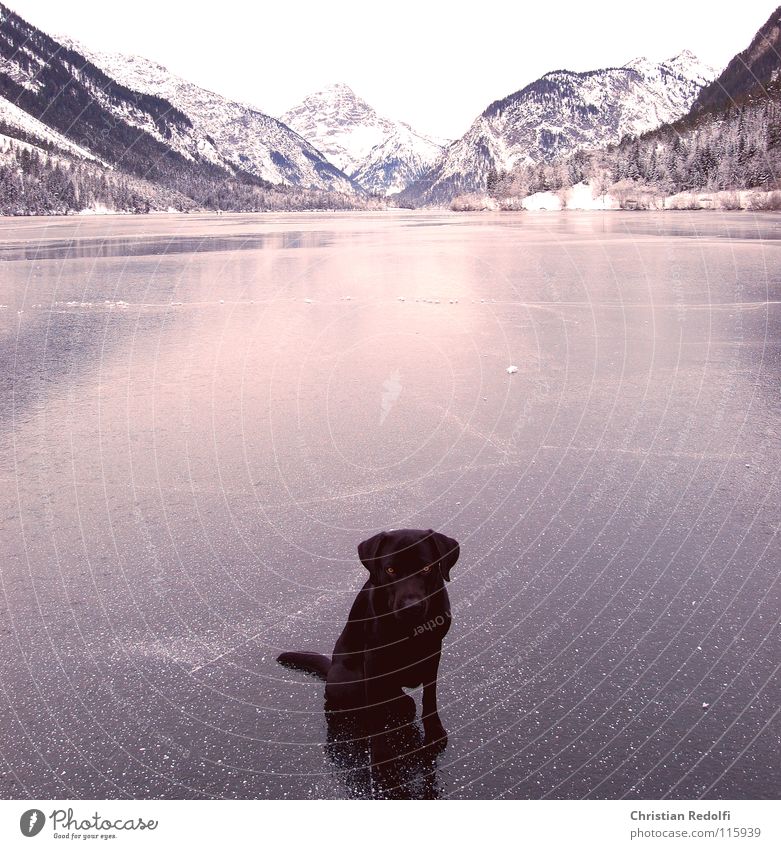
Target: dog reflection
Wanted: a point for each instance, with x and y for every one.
(410, 772)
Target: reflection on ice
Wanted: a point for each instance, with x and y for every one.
(200, 417)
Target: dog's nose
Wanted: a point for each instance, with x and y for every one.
(412, 607)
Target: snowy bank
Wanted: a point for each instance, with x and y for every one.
(579, 196)
(624, 195)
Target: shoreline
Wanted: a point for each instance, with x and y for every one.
(366, 212)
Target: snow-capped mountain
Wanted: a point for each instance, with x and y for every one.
(559, 113)
(72, 106)
(380, 154)
(233, 135)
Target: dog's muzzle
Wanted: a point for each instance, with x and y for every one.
(412, 611)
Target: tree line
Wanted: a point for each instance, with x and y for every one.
(36, 181)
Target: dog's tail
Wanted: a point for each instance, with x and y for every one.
(317, 664)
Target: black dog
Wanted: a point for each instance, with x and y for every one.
(393, 636)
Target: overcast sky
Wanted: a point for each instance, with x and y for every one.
(436, 65)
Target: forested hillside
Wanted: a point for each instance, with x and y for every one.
(39, 182)
(735, 148)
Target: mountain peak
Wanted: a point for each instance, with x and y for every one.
(340, 95)
(336, 88)
(689, 65)
(685, 55)
(685, 64)
(381, 154)
(336, 104)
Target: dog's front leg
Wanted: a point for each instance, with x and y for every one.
(435, 734)
(376, 710)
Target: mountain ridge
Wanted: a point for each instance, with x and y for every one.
(758, 64)
(243, 138)
(558, 113)
(124, 116)
(722, 154)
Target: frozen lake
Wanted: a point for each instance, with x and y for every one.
(201, 417)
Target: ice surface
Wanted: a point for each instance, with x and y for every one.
(183, 490)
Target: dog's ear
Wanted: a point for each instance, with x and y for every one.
(447, 552)
(370, 550)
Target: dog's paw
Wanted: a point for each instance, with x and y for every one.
(435, 735)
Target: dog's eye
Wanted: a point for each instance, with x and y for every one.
(426, 570)
(390, 570)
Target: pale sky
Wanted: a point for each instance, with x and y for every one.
(435, 65)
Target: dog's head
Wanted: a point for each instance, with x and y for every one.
(409, 566)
